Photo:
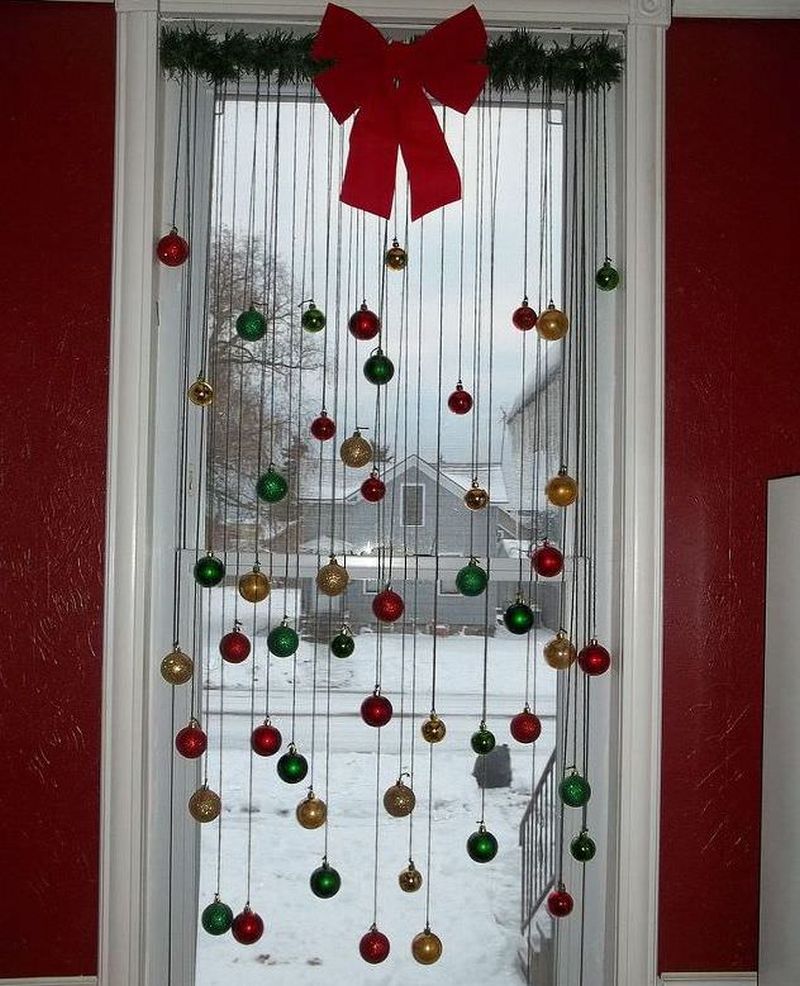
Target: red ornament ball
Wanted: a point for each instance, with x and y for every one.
(460, 401)
(524, 318)
(374, 946)
(191, 741)
(594, 659)
(323, 427)
(364, 324)
(172, 249)
(373, 488)
(266, 739)
(560, 903)
(547, 561)
(388, 606)
(247, 927)
(526, 727)
(376, 710)
(234, 647)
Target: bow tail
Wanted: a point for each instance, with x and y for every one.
(369, 177)
(433, 177)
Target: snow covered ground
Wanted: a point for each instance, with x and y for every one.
(474, 908)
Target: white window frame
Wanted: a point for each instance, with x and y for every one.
(131, 902)
(419, 486)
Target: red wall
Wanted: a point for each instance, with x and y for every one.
(732, 421)
(56, 120)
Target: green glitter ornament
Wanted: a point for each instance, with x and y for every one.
(518, 618)
(482, 741)
(607, 278)
(251, 325)
(209, 571)
(282, 640)
(292, 766)
(312, 319)
(378, 368)
(343, 644)
(217, 917)
(325, 881)
(482, 845)
(471, 579)
(271, 487)
(574, 790)
(582, 847)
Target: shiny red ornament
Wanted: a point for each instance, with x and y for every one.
(460, 401)
(172, 249)
(594, 659)
(526, 727)
(388, 606)
(191, 741)
(560, 903)
(323, 427)
(265, 740)
(376, 710)
(364, 324)
(247, 927)
(374, 946)
(524, 318)
(373, 488)
(234, 647)
(547, 561)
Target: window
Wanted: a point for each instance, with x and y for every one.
(413, 505)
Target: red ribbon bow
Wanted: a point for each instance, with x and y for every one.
(386, 82)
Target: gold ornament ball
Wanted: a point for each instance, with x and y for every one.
(560, 652)
(562, 490)
(396, 257)
(552, 324)
(433, 729)
(332, 579)
(399, 800)
(476, 498)
(356, 451)
(426, 947)
(410, 879)
(201, 393)
(177, 668)
(254, 586)
(204, 805)
(312, 812)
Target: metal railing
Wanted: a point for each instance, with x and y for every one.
(537, 837)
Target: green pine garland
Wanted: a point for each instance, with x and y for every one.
(518, 60)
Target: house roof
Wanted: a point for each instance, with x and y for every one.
(537, 379)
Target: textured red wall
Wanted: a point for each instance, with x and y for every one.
(56, 118)
(732, 421)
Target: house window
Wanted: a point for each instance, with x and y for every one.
(413, 505)
(447, 586)
(371, 587)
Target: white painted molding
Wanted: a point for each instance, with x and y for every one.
(710, 978)
(54, 980)
(761, 9)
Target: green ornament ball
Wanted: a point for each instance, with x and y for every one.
(482, 846)
(342, 645)
(518, 618)
(251, 325)
(471, 579)
(583, 847)
(292, 767)
(313, 320)
(209, 571)
(378, 368)
(271, 487)
(217, 917)
(325, 881)
(282, 641)
(607, 278)
(482, 741)
(574, 790)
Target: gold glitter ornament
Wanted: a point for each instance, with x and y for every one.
(426, 947)
(356, 451)
(560, 652)
(410, 879)
(201, 393)
(433, 729)
(204, 804)
(562, 489)
(177, 668)
(552, 324)
(312, 812)
(332, 579)
(254, 586)
(396, 257)
(399, 800)
(476, 498)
